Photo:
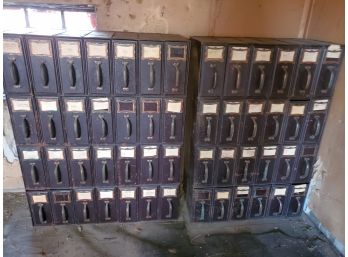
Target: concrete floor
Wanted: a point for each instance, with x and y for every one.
(269, 237)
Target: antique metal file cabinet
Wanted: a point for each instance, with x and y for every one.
(98, 118)
(259, 109)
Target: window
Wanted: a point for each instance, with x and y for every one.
(49, 16)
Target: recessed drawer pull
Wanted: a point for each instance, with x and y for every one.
(276, 131)
(317, 126)
(107, 210)
(241, 213)
(177, 75)
(222, 206)
(105, 173)
(58, 174)
(228, 172)
(297, 129)
(125, 76)
(308, 80)
(252, 138)
(280, 207)
(83, 173)
(77, 127)
(150, 170)
(288, 169)
(52, 129)
(208, 129)
(206, 170)
(34, 172)
(262, 79)
(260, 207)
(42, 214)
(99, 75)
(238, 78)
(127, 172)
(15, 73)
(285, 79)
(306, 173)
(202, 210)
(85, 212)
(245, 172)
(148, 208)
(72, 75)
(44, 74)
(170, 209)
(151, 76)
(172, 127)
(265, 171)
(128, 217)
(26, 128)
(104, 126)
(231, 131)
(331, 69)
(65, 213)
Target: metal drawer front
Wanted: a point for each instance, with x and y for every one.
(40, 208)
(81, 172)
(85, 206)
(148, 203)
(107, 204)
(128, 204)
(62, 207)
(104, 170)
(101, 120)
(57, 167)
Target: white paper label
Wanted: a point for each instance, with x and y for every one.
(55, 154)
(69, 49)
(169, 192)
(297, 109)
(223, 195)
(320, 105)
(151, 51)
(124, 51)
(280, 191)
(104, 153)
(31, 155)
(289, 151)
(40, 47)
(269, 151)
(174, 106)
(127, 194)
(206, 154)
(210, 108)
(286, 56)
(80, 154)
(227, 153)
(20, 105)
(263, 55)
(12, 46)
(300, 188)
(242, 190)
(232, 108)
(334, 51)
(107, 194)
(48, 105)
(127, 152)
(255, 108)
(84, 196)
(39, 198)
(75, 106)
(150, 151)
(249, 152)
(100, 104)
(277, 108)
(239, 54)
(97, 50)
(149, 192)
(215, 53)
(309, 56)
(171, 151)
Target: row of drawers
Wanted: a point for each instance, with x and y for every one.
(107, 165)
(80, 120)
(278, 69)
(254, 122)
(97, 205)
(244, 202)
(96, 64)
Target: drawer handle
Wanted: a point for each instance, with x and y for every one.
(77, 127)
(202, 210)
(172, 127)
(228, 171)
(206, 170)
(126, 172)
(52, 129)
(237, 83)
(297, 129)
(208, 131)
(265, 171)
(42, 214)
(15, 73)
(298, 209)
(105, 173)
(34, 174)
(72, 75)
(85, 212)
(99, 75)
(104, 126)
(331, 80)
(128, 127)
(308, 80)
(245, 173)
(83, 173)
(260, 207)
(252, 138)
(222, 205)
(107, 210)
(262, 79)
(150, 170)
(26, 128)
(288, 169)
(128, 210)
(317, 125)
(58, 174)
(276, 131)
(44, 74)
(231, 132)
(177, 76)
(64, 213)
(241, 213)
(215, 77)
(170, 209)
(280, 207)
(285, 79)
(151, 127)
(148, 208)
(125, 76)
(152, 76)
(306, 173)
(171, 170)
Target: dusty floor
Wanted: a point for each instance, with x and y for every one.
(259, 238)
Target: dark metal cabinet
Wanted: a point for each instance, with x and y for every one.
(221, 204)
(16, 79)
(259, 201)
(173, 120)
(104, 169)
(150, 67)
(295, 121)
(57, 167)
(62, 207)
(201, 205)
(128, 204)
(171, 161)
(241, 201)
(253, 122)
(106, 201)
(267, 165)
(305, 164)
(230, 122)
(278, 199)
(225, 169)
(149, 164)
(247, 161)
(286, 166)
(127, 165)
(85, 206)
(76, 125)
(316, 121)
(148, 203)
(50, 120)
(126, 120)
(79, 162)
(168, 202)
(101, 121)
(175, 67)
(207, 121)
(297, 197)
(150, 120)
(24, 123)
(40, 207)
(204, 166)
(33, 171)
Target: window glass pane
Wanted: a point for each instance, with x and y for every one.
(13, 18)
(44, 19)
(80, 20)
